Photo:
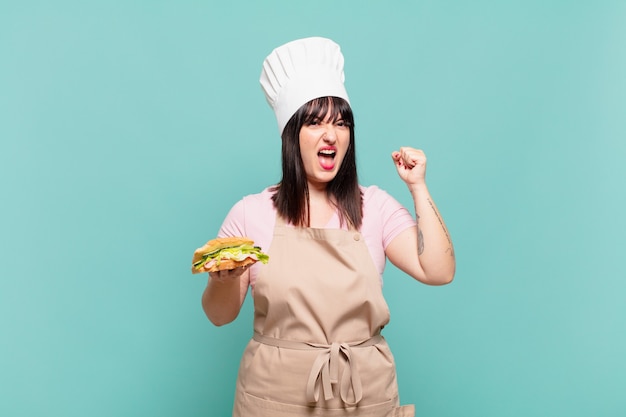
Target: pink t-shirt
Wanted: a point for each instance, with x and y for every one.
(384, 218)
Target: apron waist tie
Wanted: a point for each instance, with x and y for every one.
(325, 368)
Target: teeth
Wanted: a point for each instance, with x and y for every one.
(327, 152)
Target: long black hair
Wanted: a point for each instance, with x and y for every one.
(291, 194)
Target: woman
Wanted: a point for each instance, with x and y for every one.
(318, 303)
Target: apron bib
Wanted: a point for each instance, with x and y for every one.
(317, 348)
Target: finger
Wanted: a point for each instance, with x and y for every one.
(414, 157)
(398, 159)
(221, 275)
(216, 276)
(225, 274)
(404, 160)
(404, 154)
(409, 161)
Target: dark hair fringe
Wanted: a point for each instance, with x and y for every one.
(291, 194)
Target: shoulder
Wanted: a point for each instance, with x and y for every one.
(264, 197)
(375, 196)
(255, 202)
(371, 191)
(249, 211)
(375, 200)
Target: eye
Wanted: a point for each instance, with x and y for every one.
(341, 123)
(314, 122)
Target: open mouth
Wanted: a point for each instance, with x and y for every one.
(326, 158)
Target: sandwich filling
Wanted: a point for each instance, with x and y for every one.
(235, 253)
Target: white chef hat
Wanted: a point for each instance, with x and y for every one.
(300, 71)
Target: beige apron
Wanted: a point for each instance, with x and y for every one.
(317, 348)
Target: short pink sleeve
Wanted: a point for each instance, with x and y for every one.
(383, 219)
(252, 216)
(234, 223)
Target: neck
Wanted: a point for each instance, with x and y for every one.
(320, 206)
(317, 193)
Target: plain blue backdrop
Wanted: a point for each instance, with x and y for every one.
(128, 130)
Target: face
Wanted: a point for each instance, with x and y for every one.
(323, 145)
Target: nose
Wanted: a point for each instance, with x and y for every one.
(330, 135)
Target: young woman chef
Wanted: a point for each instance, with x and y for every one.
(317, 347)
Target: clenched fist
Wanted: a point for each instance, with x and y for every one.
(411, 165)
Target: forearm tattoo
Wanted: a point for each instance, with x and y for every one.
(420, 241)
(420, 236)
(451, 248)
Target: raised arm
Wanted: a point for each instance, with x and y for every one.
(424, 252)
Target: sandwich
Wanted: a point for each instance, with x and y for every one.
(226, 253)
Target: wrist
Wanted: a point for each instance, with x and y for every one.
(417, 188)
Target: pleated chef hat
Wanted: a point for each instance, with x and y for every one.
(300, 71)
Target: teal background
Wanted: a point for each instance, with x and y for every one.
(128, 129)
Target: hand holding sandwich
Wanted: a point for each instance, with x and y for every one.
(227, 261)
